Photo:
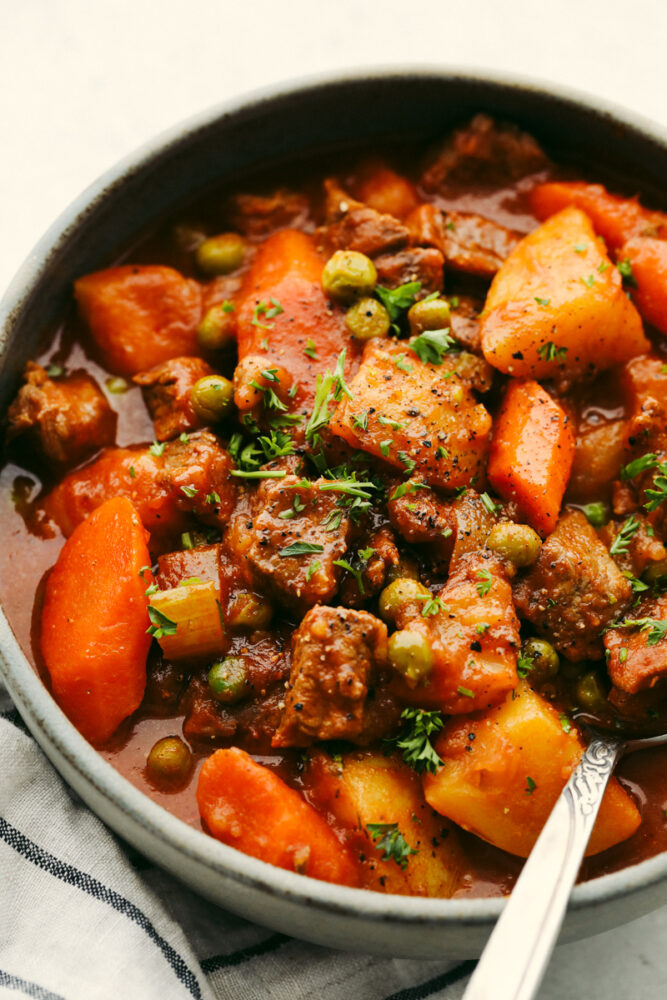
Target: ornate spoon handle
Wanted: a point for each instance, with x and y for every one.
(518, 951)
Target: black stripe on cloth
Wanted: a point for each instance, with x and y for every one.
(30, 989)
(437, 983)
(244, 954)
(86, 883)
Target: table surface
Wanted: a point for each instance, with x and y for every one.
(83, 83)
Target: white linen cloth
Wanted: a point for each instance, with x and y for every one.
(84, 917)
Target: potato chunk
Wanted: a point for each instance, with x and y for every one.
(557, 305)
(367, 788)
(417, 416)
(504, 770)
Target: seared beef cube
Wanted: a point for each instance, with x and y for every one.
(637, 656)
(467, 241)
(336, 653)
(483, 152)
(289, 514)
(423, 264)
(205, 719)
(422, 518)
(465, 322)
(257, 216)
(202, 562)
(165, 683)
(167, 388)
(574, 590)
(65, 419)
(197, 471)
(351, 225)
(377, 555)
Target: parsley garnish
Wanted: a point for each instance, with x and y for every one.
(401, 363)
(656, 628)
(297, 506)
(542, 302)
(580, 248)
(269, 312)
(414, 739)
(524, 665)
(638, 586)
(160, 624)
(658, 493)
(190, 491)
(549, 352)
(432, 605)
(299, 549)
(625, 271)
(465, 692)
(408, 463)
(328, 388)
(385, 446)
(624, 537)
(492, 507)
(389, 839)
(638, 465)
(530, 785)
(258, 474)
(397, 301)
(395, 425)
(597, 513)
(132, 472)
(486, 581)
(157, 449)
(441, 452)
(482, 627)
(432, 345)
(589, 280)
(360, 421)
(565, 723)
(313, 568)
(310, 350)
(213, 498)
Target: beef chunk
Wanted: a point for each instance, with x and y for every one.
(200, 463)
(448, 528)
(257, 216)
(465, 322)
(423, 264)
(202, 562)
(314, 517)
(167, 389)
(65, 419)
(165, 683)
(205, 719)
(380, 549)
(574, 590)
(637, 657)
(351, 225)
(483, 152)
(467, 241)
(336, 652)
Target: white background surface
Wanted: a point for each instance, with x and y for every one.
(84, 82)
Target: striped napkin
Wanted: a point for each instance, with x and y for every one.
(82, 915)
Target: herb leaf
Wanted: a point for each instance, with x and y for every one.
(550, 352)
(486, 581)
(160, 624)
(388, 838)
(299, 549)
(432, 345)
(624, 537)
(639, 465)
(414, 739)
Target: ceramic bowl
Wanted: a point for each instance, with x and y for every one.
(278, 125)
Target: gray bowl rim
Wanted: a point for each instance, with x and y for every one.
(46, 719)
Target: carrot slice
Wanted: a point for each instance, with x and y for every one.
(94, 620)
(249, 807)
(140, 315)
(285, 319)
(648, 259)
(532, 453)
(614, 218)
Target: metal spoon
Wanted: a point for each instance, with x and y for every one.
(517, 953)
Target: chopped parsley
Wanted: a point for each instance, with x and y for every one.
(385, 446)
(657, 493)
(190, 491)
(565, 723)
(395, 425)
(310, 350)
(401, 363)
(482, 627)
(639, 465)
(212, 498)
(297, 506)
(55, 371)
(432, 605)
(414, 739)
(597, 513)
(625, 535)
(432, 345)
(542, 302)
(524, 665)
(313, 568)
(580, 247)
(492, 507)
(656, 628)
(132, 472)
(388, 838)
(550, 352)
(465, 692)
(299, 549)
(160, 624)
(408, 463)
(485, 582)
(397, 301)
(360, 421)
(267, 311)
(625, 270)
(258, 474)
(589, 280)
(328, 388)
(531, 785)
(157, 448)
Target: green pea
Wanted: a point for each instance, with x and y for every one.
(170, 761)
(228, 680)
(212, 398)
(410, 655)
(516, 542)
(398, 597)
(407, 566)
(116, 384)
(597, 513)
(220, 254)
(590, 693)
(366, 319)
(348, 275)
(543, 658)
(429, 314)
(217, 329)
(250, 611)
